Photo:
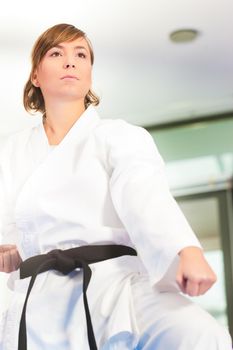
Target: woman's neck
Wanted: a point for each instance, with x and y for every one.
(59, 118)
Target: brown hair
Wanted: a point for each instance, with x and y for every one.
(33, 99)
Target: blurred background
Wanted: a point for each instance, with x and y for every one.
(167, 66)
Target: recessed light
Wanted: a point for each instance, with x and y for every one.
(184, 35)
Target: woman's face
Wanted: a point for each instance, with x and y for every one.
(65, 71)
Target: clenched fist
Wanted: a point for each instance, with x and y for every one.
(9, 258)
(194, 275)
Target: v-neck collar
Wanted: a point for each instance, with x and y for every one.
(40, 146)
(86, 119)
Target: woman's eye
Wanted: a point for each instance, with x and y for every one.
(55, 54)
(82, 55)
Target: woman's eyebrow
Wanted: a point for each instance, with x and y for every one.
(62, 47)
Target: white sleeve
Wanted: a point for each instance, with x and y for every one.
(7, 227)
(140, 194)
(2, 195)
(1, 204)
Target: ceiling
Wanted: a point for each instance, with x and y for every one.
(140, 75)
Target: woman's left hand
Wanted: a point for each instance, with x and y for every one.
(194, 275)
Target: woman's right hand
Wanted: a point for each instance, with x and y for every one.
(9, 258)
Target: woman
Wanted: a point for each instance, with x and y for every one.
(78, 181)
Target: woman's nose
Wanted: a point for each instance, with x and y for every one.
(68, 65)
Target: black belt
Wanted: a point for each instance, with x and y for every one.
(66, 261)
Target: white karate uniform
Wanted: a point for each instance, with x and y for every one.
(103, 184)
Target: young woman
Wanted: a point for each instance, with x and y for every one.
(81, 193)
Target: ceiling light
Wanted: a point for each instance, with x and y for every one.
(184, 35)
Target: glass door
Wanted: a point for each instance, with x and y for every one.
(210, 215)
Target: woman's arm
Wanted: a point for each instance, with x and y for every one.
(151, 216)
(9, 258)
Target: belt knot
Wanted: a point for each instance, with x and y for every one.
(62, 263)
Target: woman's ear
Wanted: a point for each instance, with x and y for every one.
(34, 79)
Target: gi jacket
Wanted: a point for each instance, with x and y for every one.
(103, 183)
